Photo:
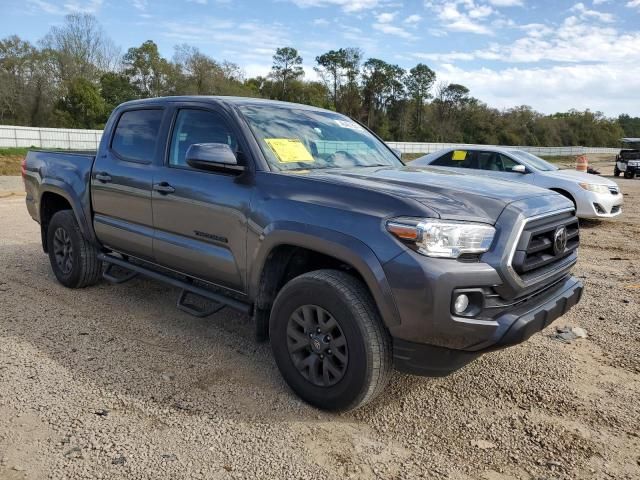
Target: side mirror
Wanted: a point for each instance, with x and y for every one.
(212, 156)
(397, 152)
(519, 169)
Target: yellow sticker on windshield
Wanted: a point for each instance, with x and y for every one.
(289, 150)
(459, 155)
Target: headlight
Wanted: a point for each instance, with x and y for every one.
(440, 238)
(595, 188)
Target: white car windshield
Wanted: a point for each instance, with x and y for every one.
(533, 161)
(298, 138)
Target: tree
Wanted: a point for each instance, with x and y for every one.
(80, 48)
(331, 68)
(115, 89)
(287, 66)
(382, 85)
(27, 85)
(82, 107)
(419, 83)
(151, 74)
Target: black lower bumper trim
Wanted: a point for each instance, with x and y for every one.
(524, 321)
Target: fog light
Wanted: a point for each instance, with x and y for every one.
(461, 303)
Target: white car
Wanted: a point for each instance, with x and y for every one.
(593, 196)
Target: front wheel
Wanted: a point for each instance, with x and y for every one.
(629, 174)
(74, 260)
(329, 341)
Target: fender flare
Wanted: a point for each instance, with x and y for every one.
(345, 248)
(51, 185)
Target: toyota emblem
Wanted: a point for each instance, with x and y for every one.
(559, 240)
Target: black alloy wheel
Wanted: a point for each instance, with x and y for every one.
(317, 345)
(63, 250)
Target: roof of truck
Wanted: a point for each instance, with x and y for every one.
(237, 101)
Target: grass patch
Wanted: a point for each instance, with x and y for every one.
(10, 159)
(558, 159)
(408, 157)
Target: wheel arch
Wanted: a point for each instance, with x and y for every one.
(285, 244)
(567, 194)
(55, 197)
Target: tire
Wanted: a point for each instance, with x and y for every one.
(74, 260)
(616, 172)
(361, 343)
(628, 174)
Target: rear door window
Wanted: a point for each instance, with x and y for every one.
(456, 158)
(136, 135)
(495, 161)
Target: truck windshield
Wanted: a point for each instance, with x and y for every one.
(533, 161)
(295, 139)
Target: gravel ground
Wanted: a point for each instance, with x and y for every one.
(11, 185)
(114, 382)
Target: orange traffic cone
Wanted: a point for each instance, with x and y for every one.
(581, 163)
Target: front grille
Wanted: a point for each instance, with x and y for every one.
(615, 209)
(540, 248)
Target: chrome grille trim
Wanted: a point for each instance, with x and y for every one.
(520, 228)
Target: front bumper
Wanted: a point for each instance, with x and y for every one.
(598, 205)
(516, 325)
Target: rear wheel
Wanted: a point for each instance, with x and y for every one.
(616, 172)
(74, 260)
(328, 340)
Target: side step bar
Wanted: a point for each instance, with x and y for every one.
(184, 285)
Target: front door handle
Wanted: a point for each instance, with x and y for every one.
(164, 188)
(103, 177)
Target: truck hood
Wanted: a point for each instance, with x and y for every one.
(581, 177)
(452, 195)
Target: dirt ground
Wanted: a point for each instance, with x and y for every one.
(114, 382)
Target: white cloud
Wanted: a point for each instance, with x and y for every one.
(480, 11)
(71, 6)
(574, 41)
(584, 12)
(506, 3)
(467, 20)
(322, 22)
(348, 6)
(633, 4)
(599, 87)
(386, 17)
(392, 30)
(140, 5)
(251, 42)
(415, 18)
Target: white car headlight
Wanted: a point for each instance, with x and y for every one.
(441, 238)
(592, 187)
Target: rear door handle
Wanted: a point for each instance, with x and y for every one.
(103, 177)
(164, 188)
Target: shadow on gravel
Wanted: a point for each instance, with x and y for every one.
(587, 223)
(130, 339)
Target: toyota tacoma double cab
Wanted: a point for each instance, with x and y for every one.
(350, 262)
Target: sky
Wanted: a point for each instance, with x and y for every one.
(550, 55)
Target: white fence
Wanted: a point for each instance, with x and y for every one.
(70, 139)
(63, 138)
(416, 147)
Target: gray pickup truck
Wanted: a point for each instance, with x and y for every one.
(349, 261)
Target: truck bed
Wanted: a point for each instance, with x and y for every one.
(67, 173)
